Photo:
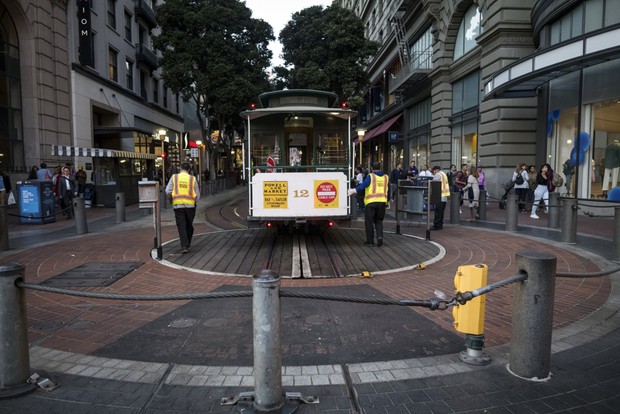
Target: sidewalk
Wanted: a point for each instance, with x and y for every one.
(155, 357)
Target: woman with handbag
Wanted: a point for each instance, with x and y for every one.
(471, 192)
(521, 180)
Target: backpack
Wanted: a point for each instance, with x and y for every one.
(519, 180)
(557, 180)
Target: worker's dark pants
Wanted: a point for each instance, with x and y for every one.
(439, 211)
(375, 212)
(184, 218)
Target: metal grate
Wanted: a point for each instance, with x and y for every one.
(93, 275)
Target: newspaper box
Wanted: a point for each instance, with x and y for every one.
(148, 193)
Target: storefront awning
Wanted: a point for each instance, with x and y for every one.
(68, 151)
(379, 129)
(524, 77)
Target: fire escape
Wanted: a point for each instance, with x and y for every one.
(398, 26)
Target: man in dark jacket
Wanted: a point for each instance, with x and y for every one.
(67, 189)
(397, 174)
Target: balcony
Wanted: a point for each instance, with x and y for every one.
(415, 71)
(146, 56)
(144, 10)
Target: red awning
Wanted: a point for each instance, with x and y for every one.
(379, 129)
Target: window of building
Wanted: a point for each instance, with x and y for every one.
(143, 78)
(419, 133)
(176, 104)
(128, 18)
(470, 28)
(155, 90)
(466, 93)
(113, 65)
(586, 17)
(92, 48)
(129, 74)
(165, 97)
(581, 127)
(11, 128)
(112, 14)
(422, 51)
(465, 102)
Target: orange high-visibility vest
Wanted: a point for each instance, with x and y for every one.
(183, 189)
(377, 191)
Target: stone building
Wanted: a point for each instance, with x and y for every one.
(80, 76)
(494, 84)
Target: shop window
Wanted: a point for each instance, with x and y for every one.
(465, 143)
(419, 147)
(470, 28)
(465, 102)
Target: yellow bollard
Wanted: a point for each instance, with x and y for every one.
(469, 317)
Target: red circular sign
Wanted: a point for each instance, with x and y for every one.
(326, 192)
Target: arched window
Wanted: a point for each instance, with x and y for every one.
(11, 137)
(470, 28)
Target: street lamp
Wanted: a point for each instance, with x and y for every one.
(163, 138)
(360, 138)
(199, 143)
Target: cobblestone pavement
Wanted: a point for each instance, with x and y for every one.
(82, 344)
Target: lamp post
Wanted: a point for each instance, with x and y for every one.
(360, 138)
(163, 138)
(199, 143)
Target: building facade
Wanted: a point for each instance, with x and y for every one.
(494, 84)
(81, 75)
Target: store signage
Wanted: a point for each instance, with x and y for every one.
(85, 48)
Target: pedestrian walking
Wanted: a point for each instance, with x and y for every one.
(375, 187)
(80, 177)
(397, 174)
(472, 191)
(184, 194)
(521, 180)
(543, 183)
(43, 173)
(67, 189)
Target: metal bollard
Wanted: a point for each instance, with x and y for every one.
(267, 358)
(617, 233)
(532, 320)
(455, 208)
(512, 212)
(569, 220)
(79, 213)
(553, 219)
(4, 223)
(482, 202)
(14, 356)
(120, 208)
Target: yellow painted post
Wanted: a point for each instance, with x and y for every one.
(469, 317)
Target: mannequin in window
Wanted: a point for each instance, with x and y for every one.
(612, 164)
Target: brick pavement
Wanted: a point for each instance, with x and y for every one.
(422, 384)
